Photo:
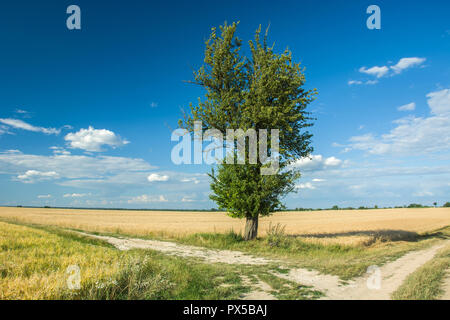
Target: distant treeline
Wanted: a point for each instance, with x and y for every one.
(124, 209)
(335, 207)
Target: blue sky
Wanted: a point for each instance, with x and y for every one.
(86, 115)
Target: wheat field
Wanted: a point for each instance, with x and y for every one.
(356, 225)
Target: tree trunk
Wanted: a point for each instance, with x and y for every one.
(251, 228)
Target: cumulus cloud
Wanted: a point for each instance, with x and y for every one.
(439, 102)
(19, 124)
(375, 71)
(44, 196)
(405, 63)
(93, 139)
(413, 135)
(31, 176)
(382, 71)
(147, 199)
(407, 107)
(157, 177)
(317, 163)
(77, 171)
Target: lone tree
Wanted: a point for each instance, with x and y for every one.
(261, 91)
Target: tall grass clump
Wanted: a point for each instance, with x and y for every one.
(276, 236)
(138, 277)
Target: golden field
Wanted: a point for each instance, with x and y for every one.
(309, 224)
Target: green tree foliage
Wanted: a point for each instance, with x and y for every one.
(261, 91)
(446, 205)
(415, 205)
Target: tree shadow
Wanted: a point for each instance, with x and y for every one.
(382, 235)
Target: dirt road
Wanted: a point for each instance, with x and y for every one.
(378, 284)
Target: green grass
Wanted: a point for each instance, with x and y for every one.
(425, 283)
(289, 290)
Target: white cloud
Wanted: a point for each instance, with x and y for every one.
(31, 176)
(413, 135)
(359, 82)
(153, 104)
(93, 139)
(4, 130)
(19, 124)
(187, 199)
(423, 194)
(76, 195)
(157, 177)
(59, 150)
(375, 71)
(332, 162)
(147, 199)
(307, 185)
(23, 113)
(44, 196)
(407, 107)
(318, 180)
(439, 102)
(316, 163)
(79, 171)
(405, 63)
(351, 82)
(379, 72)
(194, 180)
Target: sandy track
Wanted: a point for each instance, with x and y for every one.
(171, 248)
(391, 275)
(260, 290)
